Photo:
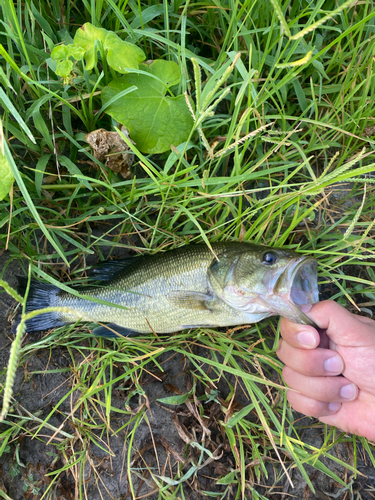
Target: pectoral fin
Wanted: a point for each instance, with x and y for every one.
(190, 300)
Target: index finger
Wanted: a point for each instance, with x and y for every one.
(342, 326)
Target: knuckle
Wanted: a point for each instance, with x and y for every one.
(287, 327)
(305, 405)
(288, 375)
(328, 307)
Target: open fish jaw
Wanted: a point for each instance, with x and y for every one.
(304, 289)
(297, 285)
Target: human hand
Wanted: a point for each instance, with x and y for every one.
(347, 402)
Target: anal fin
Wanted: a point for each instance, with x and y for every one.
(112, 331)
(186, 327)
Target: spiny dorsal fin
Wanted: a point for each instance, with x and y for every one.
(109, 269)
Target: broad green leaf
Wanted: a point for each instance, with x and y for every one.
(63, 55)
(121, 55)
(65, 51)
(154, 120)
(64, 68)
(6, 176)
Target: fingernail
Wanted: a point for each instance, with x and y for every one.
(334, 407)
(333, 365)
(305, 307)
(348, 391)
(307, 339)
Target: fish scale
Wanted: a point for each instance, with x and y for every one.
(184, 288)
(145, 287)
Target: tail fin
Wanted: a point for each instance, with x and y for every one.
(40, 295)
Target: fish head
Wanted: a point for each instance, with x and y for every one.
(271, 281)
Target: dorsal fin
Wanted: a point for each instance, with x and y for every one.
(109, 269)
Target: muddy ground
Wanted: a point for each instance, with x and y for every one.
(25, 461)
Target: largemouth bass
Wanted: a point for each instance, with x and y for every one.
(186, 288)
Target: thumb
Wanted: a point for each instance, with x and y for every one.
(343, 327)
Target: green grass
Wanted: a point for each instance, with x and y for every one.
(281, 153)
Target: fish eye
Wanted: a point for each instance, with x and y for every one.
(269, 258)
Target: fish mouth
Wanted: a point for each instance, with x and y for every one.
(297, 286)
(304, 281)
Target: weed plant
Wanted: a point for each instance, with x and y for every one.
(281, 152)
